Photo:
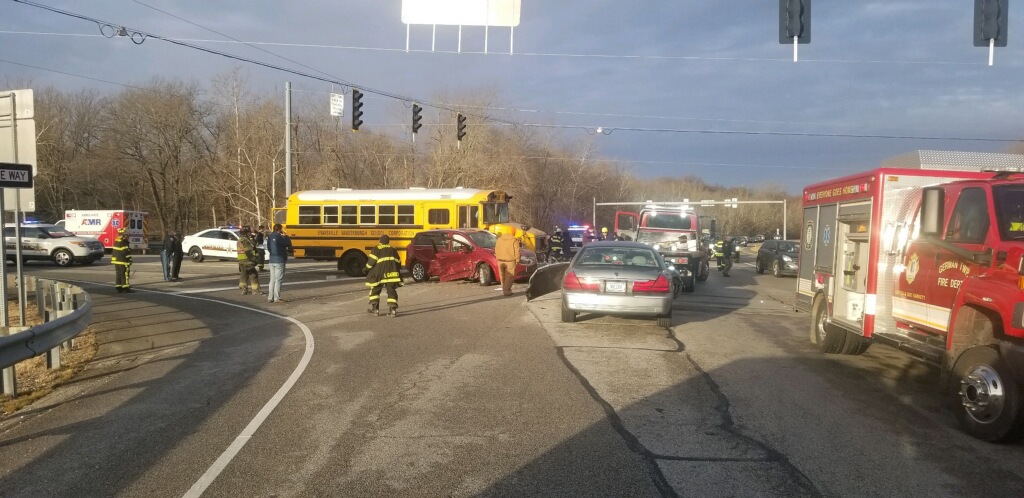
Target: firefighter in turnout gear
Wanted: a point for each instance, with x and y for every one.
(556, 245)
(248, 278)
(121, 257)
(382, 272)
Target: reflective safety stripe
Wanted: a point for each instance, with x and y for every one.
(119, 248)
(372, 256)
(375, 298)
(392, 301)
(125, 263)
(387, 258)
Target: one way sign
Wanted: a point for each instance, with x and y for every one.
(15, 175)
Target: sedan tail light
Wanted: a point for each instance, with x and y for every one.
(659, 286)
(573, 283)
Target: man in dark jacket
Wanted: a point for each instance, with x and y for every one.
(258, 238)
(383, 272)
(177, 252)
(121, 257)
(727, 248)
(278, 243)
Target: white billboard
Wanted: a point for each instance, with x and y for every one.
(23, 104)
(462, 12)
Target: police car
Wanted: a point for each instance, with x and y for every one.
(51, 242)
(220, 243)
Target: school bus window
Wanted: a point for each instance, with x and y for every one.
(439, 216)
(367, 215)
(349, 215)
(495, 213)
(309, 215)
(407, 214)
(330, 215)
(386, 215)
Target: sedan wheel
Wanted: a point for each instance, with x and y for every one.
(196, 254)
(418, 272)
(757, 266)
(485, 276)
(777, 269)
(568, 316)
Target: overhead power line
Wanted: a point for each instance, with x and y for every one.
(139, 37)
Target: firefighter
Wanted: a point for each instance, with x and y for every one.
(382, 272)
(556, 245)
(727, 249)
(248, 278)
(258, 238)
(604, 234)
(567, 245)
(719, 244)
(121, 257)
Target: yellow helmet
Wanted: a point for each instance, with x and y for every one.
(121, 231)
(604, 229)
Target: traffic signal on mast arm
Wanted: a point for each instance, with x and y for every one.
(357, 109)
(461, 126)
(990, 23)
(416, 118)
(794, 21)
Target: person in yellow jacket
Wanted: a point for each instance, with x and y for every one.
(507, 251)
(383, 271)
(121, 257)
(248, 278)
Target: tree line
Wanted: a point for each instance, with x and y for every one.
(195, 157)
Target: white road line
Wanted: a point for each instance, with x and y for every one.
(219, 289)
(225, 458)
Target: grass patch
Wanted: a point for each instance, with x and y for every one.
(33, 379)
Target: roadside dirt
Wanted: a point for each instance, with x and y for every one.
(33, 379)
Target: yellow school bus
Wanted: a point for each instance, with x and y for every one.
(344, 224)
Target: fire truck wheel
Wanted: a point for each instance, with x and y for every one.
(568, 316)
(418, 272)
(484, 274)
(829, 338)
(985, 397)
(855, 344)
(195, 254)
(63, 257)
(703, 271)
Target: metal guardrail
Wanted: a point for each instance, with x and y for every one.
(67, 311)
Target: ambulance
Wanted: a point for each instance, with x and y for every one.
(103, 225)
(925, 255)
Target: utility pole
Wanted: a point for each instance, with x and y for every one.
(287, 139)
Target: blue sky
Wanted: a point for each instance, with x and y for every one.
(891, 68)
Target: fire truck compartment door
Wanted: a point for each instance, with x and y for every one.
(825, 242)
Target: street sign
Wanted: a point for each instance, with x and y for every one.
(338, 104)
(18, 143)
(15, 175)
(707, 202)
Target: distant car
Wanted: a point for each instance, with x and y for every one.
(460, 254)
(53, 243)
(759, 238)
(782, 257)
(220, 243)
(618, 278)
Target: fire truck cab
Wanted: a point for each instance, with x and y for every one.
(925, 255)
(674, 230)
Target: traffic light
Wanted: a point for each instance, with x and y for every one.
(357, 109)
(794, 21)
(461, 121)
(416, 125)
(990, 22)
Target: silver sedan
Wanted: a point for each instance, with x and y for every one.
(618, 278)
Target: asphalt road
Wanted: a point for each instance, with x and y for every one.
(197, 388)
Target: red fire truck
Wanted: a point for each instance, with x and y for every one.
(103, 224)
(925, 255)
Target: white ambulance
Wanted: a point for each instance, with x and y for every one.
(103, 225)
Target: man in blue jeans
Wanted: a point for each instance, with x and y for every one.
(279, 245)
